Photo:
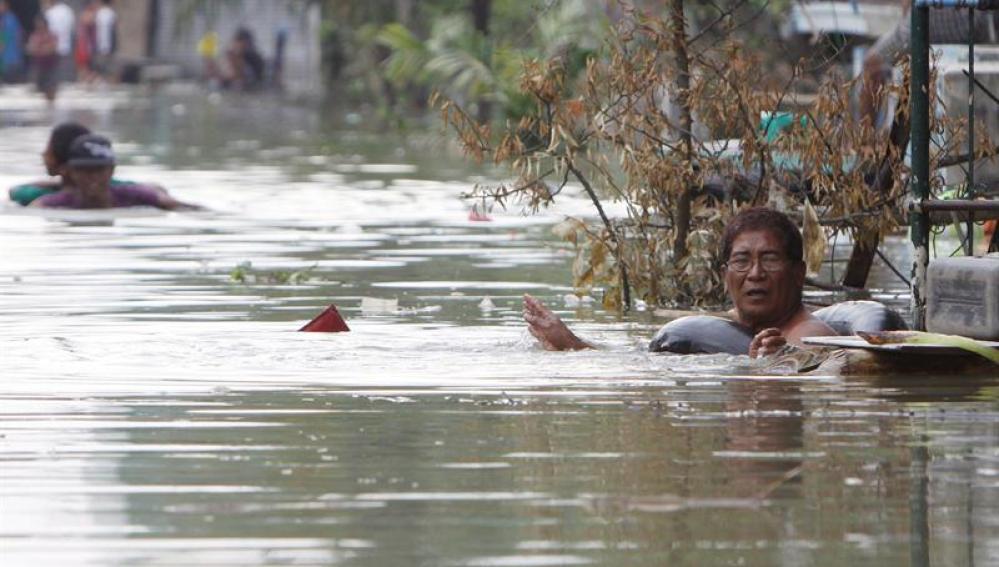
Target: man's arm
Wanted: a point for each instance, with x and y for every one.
(25, 194)
(165, 201)
(551, 332)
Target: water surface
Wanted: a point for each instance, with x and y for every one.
(159, 409)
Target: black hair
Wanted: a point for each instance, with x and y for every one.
(62, 138)
(243, 34)
(762, 218)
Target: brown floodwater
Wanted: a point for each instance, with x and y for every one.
(158, 408)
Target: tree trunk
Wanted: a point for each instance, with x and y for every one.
(683, 101)
(859, 266)
(404, 12)
(481, 11)
(866, 244)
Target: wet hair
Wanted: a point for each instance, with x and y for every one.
(62, 138)
(762, 218)
(245, 35)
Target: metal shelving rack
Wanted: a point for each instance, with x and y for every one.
(921, 205)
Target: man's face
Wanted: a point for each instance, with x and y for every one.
(91, 181)
(764, 284)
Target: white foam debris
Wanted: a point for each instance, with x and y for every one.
(379, 306)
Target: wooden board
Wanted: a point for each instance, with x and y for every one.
(857, 342)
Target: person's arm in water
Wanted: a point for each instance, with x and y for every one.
(548, 328)
(28, 192)
(166, 202)
(150, 195)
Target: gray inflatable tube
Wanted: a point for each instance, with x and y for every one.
(705, 334)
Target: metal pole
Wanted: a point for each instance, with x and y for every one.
(920, 186)
(980, 4)
(970, 191)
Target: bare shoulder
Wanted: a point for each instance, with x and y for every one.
(807, 325)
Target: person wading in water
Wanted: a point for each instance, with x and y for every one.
(87, 182)
(764, 277)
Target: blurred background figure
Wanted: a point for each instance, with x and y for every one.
(11, 45)
(277, 69)
(43, 48)
(85, 44)
(246, 65)
(106, 30)
(208, 50)
(60, 19)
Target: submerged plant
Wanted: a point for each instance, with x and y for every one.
(243, 273)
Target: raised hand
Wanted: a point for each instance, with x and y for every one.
(548, 328)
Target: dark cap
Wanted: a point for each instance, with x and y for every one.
(90, 150)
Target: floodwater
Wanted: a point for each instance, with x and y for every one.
(157, 406)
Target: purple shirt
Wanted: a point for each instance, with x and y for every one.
(121, 196)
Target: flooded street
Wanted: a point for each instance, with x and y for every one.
(158, 408)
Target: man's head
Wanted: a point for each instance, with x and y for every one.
(764, 271)
(57, 151)
(4, 6)
(90, 166)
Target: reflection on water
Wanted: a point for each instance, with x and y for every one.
(158, 410)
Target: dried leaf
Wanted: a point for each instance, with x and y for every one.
(814, 239)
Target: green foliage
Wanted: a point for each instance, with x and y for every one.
(243, 274)
(671, 130)
(462, 63)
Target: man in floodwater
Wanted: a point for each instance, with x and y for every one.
(87, 182)
(764, 276)
(54, 157)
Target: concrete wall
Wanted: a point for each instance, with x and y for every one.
(177, 34)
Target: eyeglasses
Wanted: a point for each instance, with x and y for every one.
(768, 263)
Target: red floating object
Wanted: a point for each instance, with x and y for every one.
(329, 321)
(475, 216)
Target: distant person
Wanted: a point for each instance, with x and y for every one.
(43, 49)
(208, 50)
(105, 22)
(60, 19)
(277, 67)
(85, 44)
(11, 45)
(246, 65)
(87, 176)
